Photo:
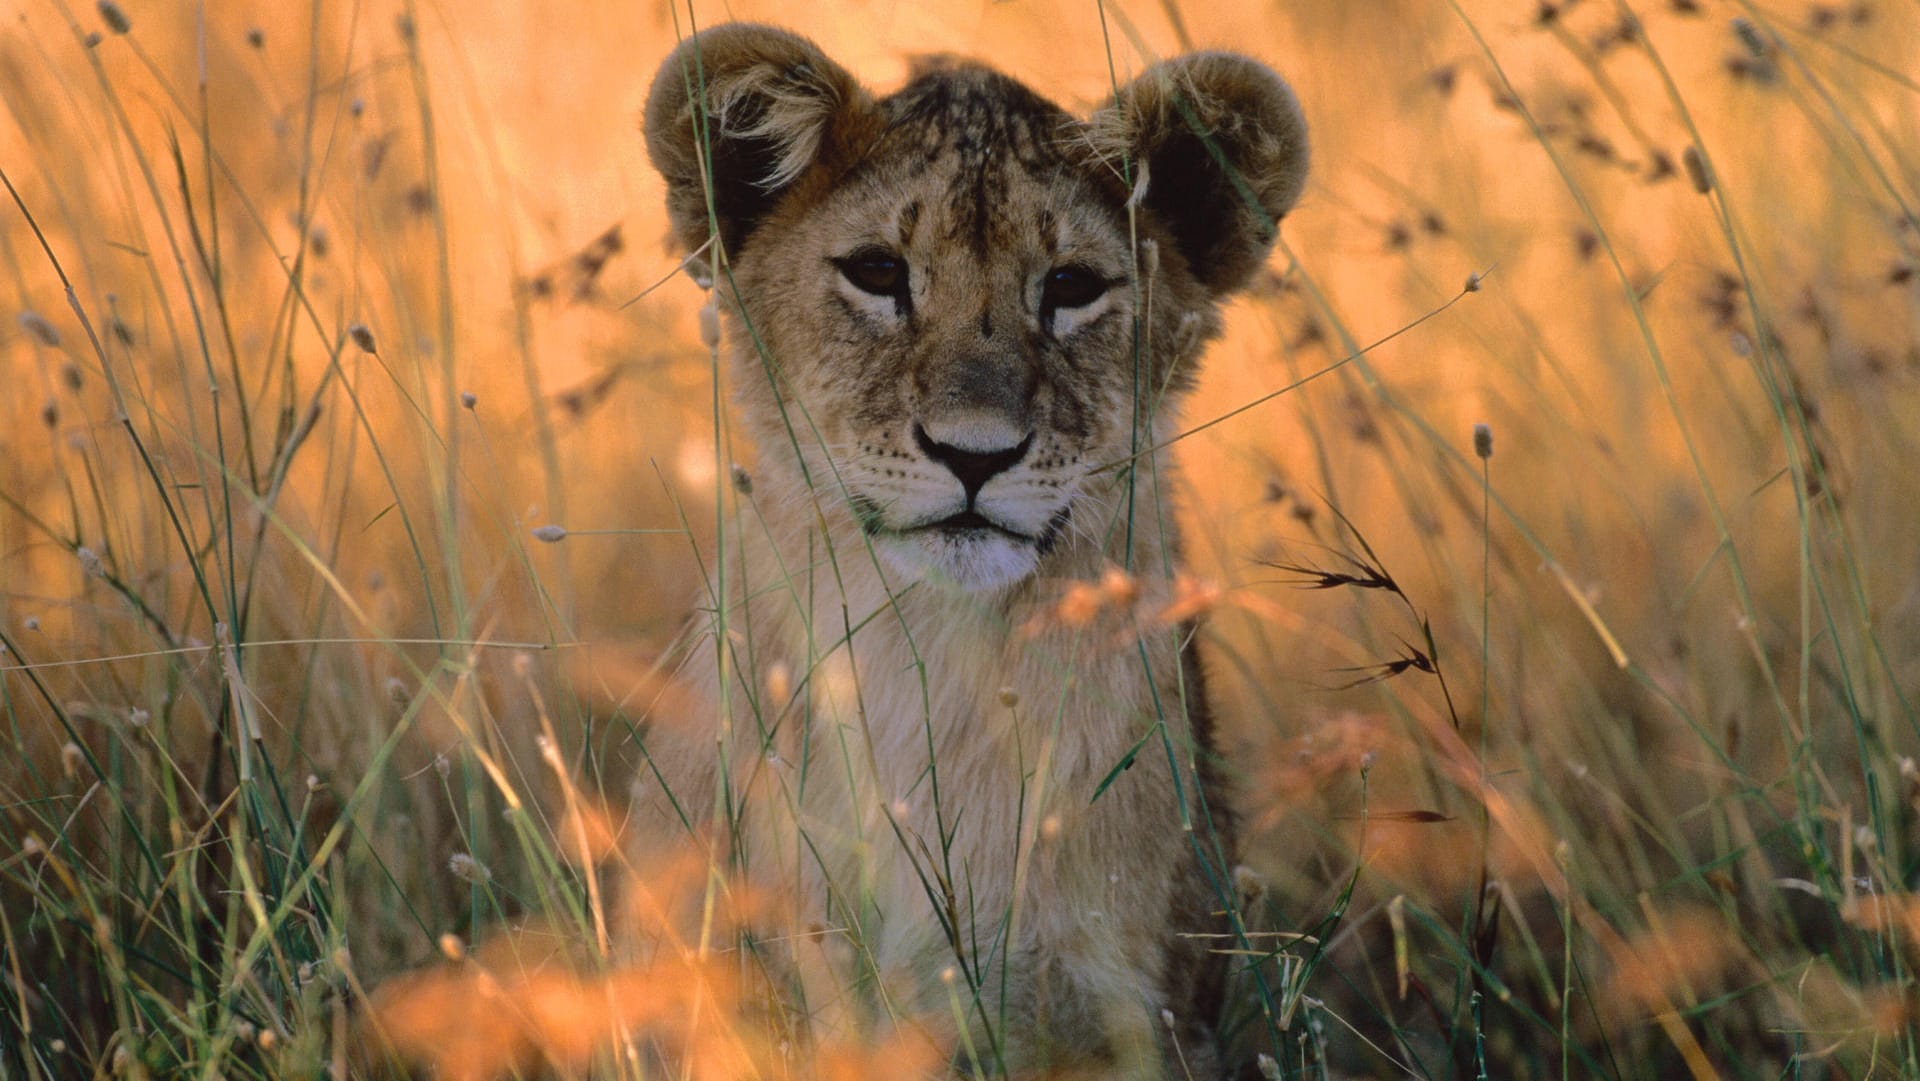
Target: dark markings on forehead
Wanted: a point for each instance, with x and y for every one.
(909, 221)
(1049, 227)
(988, 126)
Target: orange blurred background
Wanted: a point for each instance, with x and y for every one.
(230, 188)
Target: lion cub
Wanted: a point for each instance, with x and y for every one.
(957, 322)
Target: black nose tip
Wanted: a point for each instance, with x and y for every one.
(973, 468)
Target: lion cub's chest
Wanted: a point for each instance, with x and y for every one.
(942, 781)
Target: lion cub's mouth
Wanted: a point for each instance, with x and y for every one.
(967, 549)
(970, 521)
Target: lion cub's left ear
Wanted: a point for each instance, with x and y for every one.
(1223, 146)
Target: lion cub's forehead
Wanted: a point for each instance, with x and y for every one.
(989, 159)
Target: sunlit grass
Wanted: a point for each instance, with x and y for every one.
(360, 464)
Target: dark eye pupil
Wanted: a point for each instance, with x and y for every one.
(1072, 287)
(879, 273)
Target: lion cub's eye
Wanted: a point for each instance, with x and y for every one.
(875, 270)
(1071, 286)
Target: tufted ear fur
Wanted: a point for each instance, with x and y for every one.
(767, 105)
(1221, 145)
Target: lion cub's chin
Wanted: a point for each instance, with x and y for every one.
(970, 560)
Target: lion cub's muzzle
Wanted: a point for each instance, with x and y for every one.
(973, 467)
(973, 521)
(977, 429)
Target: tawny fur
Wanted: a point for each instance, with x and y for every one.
(926, 785)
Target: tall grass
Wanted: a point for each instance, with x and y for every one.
(1586, 750)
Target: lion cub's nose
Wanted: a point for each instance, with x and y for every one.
(973, 466)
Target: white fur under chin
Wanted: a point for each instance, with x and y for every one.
(977, 561)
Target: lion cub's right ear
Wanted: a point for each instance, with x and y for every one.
(1222, 145)
(752, 109)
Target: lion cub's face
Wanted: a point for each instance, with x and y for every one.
(956, 317)
(953, 317)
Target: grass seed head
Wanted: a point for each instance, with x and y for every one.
(1659, 166)
(39, 329)
(467, 869)
(1482, 441)
(362, 337)
(1192, 597)
(1249, 885)
(114, 17)
(710, 323)
(1697, 173)
(551, 534)
(1082, 601)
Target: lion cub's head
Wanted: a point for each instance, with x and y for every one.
(958, 307)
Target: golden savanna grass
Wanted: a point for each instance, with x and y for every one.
(359, 452)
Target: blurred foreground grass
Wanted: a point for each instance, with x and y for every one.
(316, 312)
